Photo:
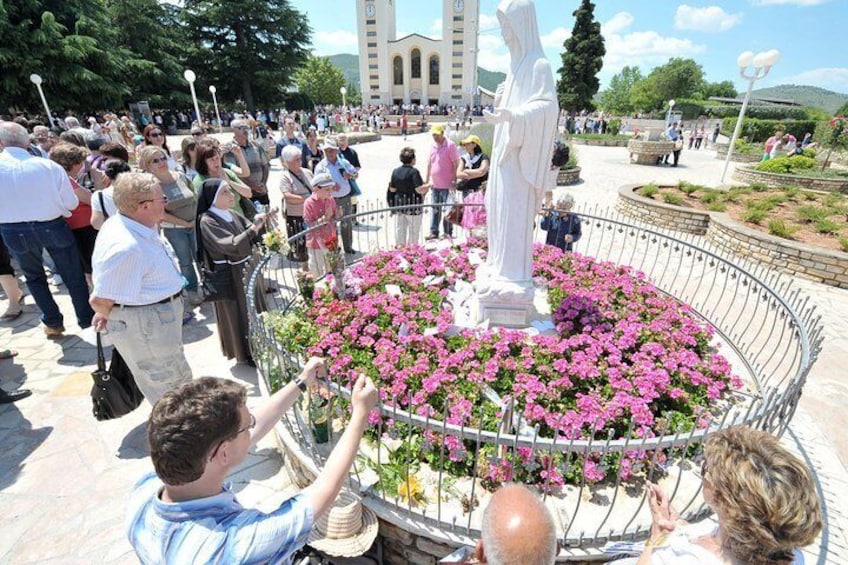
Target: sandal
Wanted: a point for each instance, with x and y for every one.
(14, 310)
(8, 354)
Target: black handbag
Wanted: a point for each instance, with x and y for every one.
(217, 285)
(114, 392)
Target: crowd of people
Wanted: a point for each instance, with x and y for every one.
(128, 225)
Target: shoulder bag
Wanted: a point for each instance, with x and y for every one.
(114, 392)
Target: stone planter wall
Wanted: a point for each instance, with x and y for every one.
(566, 177)
(814, 263)
(661, 214)
(647, 152)
(773, 180)
(600, 142)
(721, 153)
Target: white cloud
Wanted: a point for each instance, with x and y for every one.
(643, 48)
(556, 37)
(489, 23)
(710, 18)
(831, 78)
(790, 2)
(619, 22)
(493, 55)
(332, 42)
(436, 26)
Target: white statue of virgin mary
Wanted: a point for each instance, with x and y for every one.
(525, 117)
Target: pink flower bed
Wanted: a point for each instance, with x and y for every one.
(623, 352)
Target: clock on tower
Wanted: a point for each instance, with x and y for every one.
(370, 10)
(458, 5)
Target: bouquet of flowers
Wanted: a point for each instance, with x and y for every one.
(306, 284)
(275, 242)
(335, 262)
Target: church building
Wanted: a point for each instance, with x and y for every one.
(417, 69)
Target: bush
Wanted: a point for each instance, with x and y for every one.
(827, 226)
(812, 213)
(758, 187)
(757, 131)
(781, 229)
(614, 127)
(688, 189)
(717, 207)
(763, 205)
(649, 190)
(742, 147)
(710, 197)
(754, 216)
(792, 192)
(787, 165)
(673, 199)
(843, 243)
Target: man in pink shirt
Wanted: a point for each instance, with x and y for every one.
(441, 175)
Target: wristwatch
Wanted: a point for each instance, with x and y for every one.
(301, 384)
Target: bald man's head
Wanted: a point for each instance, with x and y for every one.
(517, 528)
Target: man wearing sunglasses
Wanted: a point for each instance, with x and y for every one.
(198, 434)
(258, 163)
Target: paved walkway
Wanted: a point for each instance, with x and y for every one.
(64, 477)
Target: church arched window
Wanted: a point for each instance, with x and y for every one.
(434, 69)
(397, 66)
(416, 64)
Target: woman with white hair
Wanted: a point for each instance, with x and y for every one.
(562, 225)
(296, 186)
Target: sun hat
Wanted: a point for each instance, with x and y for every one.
(471, 139)
(437, 128)
(348, 529)
(329, 143)
(322, 179)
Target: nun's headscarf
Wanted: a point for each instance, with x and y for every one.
(206, 203)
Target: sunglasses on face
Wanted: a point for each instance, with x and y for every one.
(158, 160)
(156, 134)
(163, 199)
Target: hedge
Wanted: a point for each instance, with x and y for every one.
(756, 130)
(694, 109)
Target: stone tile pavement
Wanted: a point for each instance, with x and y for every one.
(64, 477)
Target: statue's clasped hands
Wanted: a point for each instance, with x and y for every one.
(497, 115)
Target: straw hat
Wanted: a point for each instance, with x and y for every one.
(348, 529)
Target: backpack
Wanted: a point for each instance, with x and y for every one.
(561, 154)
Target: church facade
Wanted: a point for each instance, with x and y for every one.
(416, 69)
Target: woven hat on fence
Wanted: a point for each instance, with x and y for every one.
(348, 529)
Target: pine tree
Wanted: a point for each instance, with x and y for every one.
(582, 60)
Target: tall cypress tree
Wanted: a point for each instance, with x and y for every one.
(582, 60)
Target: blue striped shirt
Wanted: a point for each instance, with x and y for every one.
(215, 529)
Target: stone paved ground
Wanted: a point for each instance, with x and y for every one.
(64, 477)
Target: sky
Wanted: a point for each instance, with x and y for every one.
(645, 33)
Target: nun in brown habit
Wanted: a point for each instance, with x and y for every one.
(225, 240)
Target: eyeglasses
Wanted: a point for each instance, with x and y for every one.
(163, 199)
(156, 134)
(243, 128)
(158, 160)
(197, 133)
(249, 426)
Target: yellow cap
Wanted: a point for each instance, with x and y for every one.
(437, 128)
(471, 139)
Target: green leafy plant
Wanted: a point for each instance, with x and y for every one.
(811, 213)
(649, 190)
(673, 199)
(827, 226)
(757, 187)
(717, 207)
(792, 192)
(765, 205)
(688, 189)
(780, 228)
(710, 197)
(787, 165)
(754, 216)
(843, 243)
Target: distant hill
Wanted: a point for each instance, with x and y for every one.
(349, 64)
(805, 95)
(489, 79)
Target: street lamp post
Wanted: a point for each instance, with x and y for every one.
(763, 62)
(343, 90)
(37, 80)
(191, 77)
(213, 90)
(671, 104)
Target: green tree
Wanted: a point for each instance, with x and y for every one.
(154, 49)
(248, 48)
(321, 80)
(842, 110)
(71, 44)
(679, 78)
(724, 89)
(582, 60)
(616, 98)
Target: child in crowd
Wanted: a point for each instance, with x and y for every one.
(474, 215)
(562, 225)
(320, 210)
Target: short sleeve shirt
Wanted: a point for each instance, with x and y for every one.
(443, 160)
(215, 529)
